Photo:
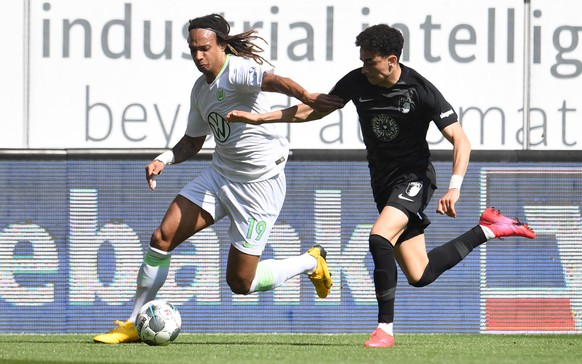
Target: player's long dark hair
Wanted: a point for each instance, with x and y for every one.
(239, 44)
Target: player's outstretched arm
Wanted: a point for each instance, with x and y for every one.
(294, 114)
(318, 101)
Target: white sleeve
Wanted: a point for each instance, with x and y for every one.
(249, 76)
(196, 124)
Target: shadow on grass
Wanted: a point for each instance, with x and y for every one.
(261, 343)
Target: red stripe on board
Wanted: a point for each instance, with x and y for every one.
(528, 314)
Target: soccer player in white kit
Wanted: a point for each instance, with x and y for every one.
(245, 181)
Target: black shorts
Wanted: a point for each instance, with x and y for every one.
(410, 192)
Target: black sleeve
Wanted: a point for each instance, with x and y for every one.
(437, 107)
(345, 87)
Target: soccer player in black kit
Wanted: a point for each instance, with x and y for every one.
(395, 105)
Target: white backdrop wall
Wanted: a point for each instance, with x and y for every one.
(12, 130)
(117, 74)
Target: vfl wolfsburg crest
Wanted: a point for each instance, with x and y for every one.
(220, 94)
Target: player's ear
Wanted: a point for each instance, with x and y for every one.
(392, 60)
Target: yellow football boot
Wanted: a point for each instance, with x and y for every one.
(321, 278)
(125, 332)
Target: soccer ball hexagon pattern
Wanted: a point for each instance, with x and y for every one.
(158, 323)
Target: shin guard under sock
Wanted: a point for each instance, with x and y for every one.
(150, 278)
(385, 276)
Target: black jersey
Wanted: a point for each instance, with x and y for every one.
(394, 121)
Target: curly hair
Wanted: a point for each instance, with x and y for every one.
(239, 44)
(382, 40)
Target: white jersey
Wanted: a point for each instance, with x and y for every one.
(244, 152)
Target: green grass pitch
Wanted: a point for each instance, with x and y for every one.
(297, 348)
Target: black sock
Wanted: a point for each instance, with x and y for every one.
(385, 276)
(446, 256)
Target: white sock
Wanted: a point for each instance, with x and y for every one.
(271, 273)
(386, 327)
(151, 277)
(488, 233)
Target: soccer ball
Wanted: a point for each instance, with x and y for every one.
(158, 323)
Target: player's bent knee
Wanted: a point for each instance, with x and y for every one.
(239, 289)
(418, 283)
(239, 286)
(426, 279)
(156, 241)
(379, 246)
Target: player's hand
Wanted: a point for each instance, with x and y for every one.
(324, 102)
(446, 204)
(237, 116)
(152, 170)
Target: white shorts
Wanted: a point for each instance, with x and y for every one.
(253, 207)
